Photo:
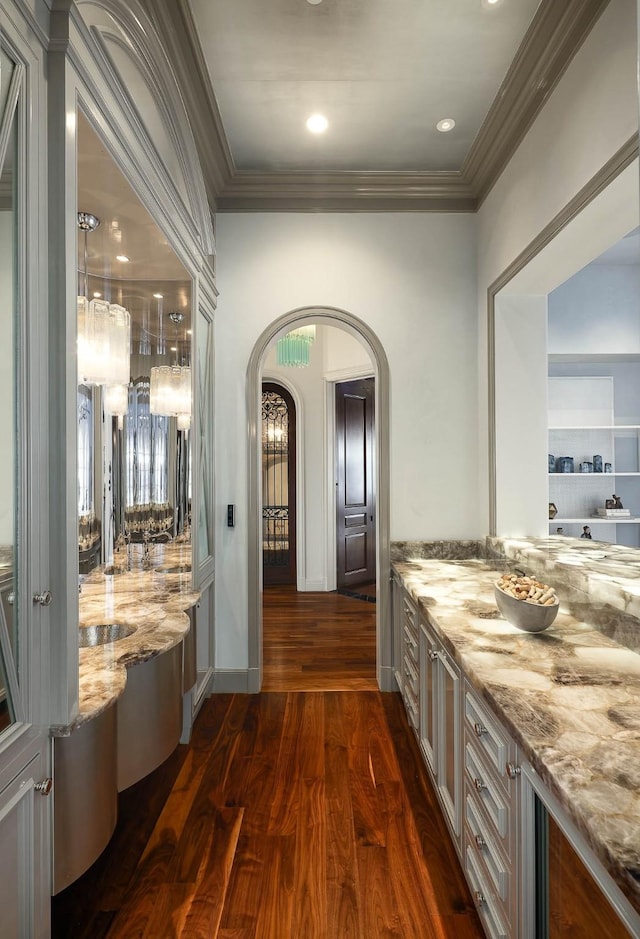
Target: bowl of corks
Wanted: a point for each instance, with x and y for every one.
(526, 602)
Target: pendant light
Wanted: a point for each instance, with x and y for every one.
(170, 386)
(293, 349)
(104, 329)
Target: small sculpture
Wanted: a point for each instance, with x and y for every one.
(552, 510)
(586, 532)
(614, 502)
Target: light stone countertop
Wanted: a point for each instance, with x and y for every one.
(154, 602)
(570, 697)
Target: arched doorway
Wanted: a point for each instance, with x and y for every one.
(357, 328)
(278, 417)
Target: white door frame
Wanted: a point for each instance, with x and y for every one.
(330, 316)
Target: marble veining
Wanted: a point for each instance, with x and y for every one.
(442, 550)
(570, 697)
(155, 603)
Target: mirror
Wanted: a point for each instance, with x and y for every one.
(134, 368)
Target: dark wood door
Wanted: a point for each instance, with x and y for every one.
(355, 486)
(278, 485)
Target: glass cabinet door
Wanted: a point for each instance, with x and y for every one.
(10, 653)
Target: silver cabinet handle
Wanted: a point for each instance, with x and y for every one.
(479, 784)
(44, 787)
(11, 598)
(44, 598)
(479, 729)
(512, 770)
(433, 656)
(479, 898)
(480, 842)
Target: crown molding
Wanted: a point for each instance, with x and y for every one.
(556, 33)
(342, 191)
(553, 38)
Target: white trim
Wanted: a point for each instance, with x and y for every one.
(350, 373)
(301, 515)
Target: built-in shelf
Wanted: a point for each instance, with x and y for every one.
(591, 475)
(594, 520)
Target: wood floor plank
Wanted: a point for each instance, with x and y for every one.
(293, 814)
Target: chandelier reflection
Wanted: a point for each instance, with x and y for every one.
(104, 330)
(170, 387)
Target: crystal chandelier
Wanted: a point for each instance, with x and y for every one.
(170, 387)
(104, 330)
(293, 349)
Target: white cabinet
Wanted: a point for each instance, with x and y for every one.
(410, 667)
(397, 591)
(491, 789)
(440, 724)
(584, 424)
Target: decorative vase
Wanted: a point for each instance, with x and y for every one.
(552, 510)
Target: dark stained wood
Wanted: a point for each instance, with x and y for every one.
(317, 642)
(289, 814)
(577, 907)
(355, 482)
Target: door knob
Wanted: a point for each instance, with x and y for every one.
(44, 787)
(44, 599)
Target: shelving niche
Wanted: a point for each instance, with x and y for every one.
(583, 422)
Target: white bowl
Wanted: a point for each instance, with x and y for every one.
(532, 617)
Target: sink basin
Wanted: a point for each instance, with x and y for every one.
(102, 633)
(177, 569)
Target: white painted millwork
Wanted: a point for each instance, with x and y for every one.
(25, 759)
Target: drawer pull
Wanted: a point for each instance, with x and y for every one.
(479, 784)
(479, 897)
(479, 729)
(480, 842)
(433, 655)
(512, 770)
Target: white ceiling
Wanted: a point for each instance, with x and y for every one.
(383, 72)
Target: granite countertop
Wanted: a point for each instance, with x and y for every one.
(570, 696)
(152, 601)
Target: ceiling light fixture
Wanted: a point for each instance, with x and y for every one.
(491, 4)
(293, 349)
(158, 296)
(104, 329)
(170, 386)
(445, 125)
(314, 3)
(317, 123)
(123, 258)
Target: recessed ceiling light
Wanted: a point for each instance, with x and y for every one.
(317, 123)
(491, 4)
(122, 257)
(97, 294)
(173, 349)
(445, 125)
(189, 331)
(158, 296)
(314, 3)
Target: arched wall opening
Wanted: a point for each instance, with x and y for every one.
(330, 316)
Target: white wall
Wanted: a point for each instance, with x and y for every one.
(590, 114)
(597, 311)
(411, 278)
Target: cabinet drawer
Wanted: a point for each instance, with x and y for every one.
(411, 643)
(410, 673)
(481, 842)
(489, 794)
(490, 737)
(409, 613)
(485, 904)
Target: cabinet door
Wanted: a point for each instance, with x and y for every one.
(450, 743)
(24, 597)
(428, 696)
(396, 594)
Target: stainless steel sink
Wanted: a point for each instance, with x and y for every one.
(177, 569)
(102, 633)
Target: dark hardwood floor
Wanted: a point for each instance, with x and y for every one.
(290, 815)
